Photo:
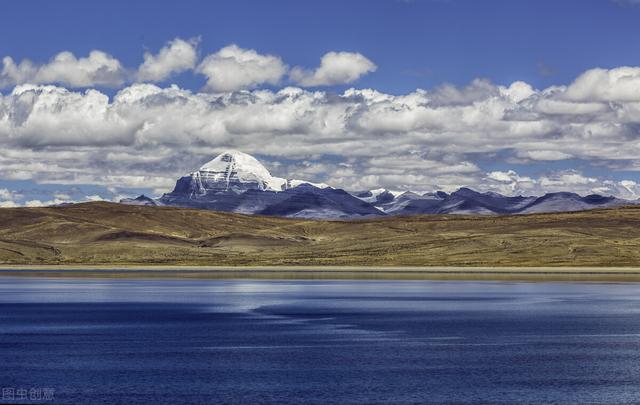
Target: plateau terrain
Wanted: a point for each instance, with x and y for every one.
(109, 233)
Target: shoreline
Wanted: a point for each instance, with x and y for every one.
(600, 274)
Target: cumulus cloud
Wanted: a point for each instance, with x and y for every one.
(546, 155)
(601, 85)
(234, 68)
(5, 194)
(477, 90)
(510, 183)
(40, 203)
(145, 136)
(175, 57)
(96, 69)
(335, 68)
(14, 73)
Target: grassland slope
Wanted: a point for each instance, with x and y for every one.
(107, 233)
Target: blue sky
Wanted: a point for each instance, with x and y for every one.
(415, 43)
(439, 46)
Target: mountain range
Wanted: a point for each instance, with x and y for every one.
(237, 182)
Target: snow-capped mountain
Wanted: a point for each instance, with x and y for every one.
(238, 182)
(237, 172)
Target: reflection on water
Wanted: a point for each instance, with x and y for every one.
(186, 341)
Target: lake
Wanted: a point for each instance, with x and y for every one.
(110, 341)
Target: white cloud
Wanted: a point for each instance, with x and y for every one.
(477, 90)
(13, 73)
(176, 57)
(5, 194)
(546, 155)
(567, 179)
(146, 136)
(620, 84)
(510, 183)
(40, 203)
(97, 69)
(50, 115)
(518, 91)
(335, 68)
(230, 69)
(234, 68)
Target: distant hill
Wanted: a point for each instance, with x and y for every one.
(99, 232)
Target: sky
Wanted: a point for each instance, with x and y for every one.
(103, 100)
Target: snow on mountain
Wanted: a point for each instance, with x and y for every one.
(236, 171)
(237, 182)
(295, 183)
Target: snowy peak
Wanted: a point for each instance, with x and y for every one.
(235, 161)
(237, 171)
(238, 182)
(295, 183)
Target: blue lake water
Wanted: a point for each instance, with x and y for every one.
(319, 342)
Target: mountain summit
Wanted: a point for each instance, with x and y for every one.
(236, 171)
(238, 182)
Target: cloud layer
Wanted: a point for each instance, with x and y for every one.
(440, 139)
(56, 127)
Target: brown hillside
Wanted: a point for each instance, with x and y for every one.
(96, 233)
